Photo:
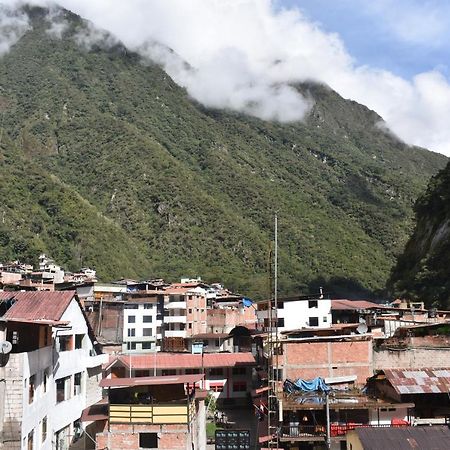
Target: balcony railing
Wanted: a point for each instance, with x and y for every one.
(161, 413)
(304, 431)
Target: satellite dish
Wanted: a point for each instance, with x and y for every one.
(362, 328)
(5, 347)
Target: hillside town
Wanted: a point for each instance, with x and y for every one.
(191, 365)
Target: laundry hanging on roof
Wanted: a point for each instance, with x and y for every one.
(317, 384)
(247, 302)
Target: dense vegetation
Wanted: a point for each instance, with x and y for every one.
(423, 270)
(112, 165)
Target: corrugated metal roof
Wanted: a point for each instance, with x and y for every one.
(6, 295)
(404, 438)
(39, 305)
(187, 360)
(149, 381)
(423, 381)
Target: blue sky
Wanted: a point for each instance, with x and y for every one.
(406, 37)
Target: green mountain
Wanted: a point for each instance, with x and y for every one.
(110, 164)
(423, 269)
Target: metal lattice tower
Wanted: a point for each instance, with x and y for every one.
(272, 353)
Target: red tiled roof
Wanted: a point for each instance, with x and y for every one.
(419, 381)
(352, 304)
(39, 305)
(149, 381)
(187, 360)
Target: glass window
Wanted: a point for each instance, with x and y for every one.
(44, 429)
(131, 332)
(147, 332)
(148, 440)
(147, 319)
(131, 306)
(65, 343)
(325, 318)
(45, 380)
(131, 319)
(30, 439)
(62, 389)
(131, 345)
(239, 386)
(31, 388)
(147, 345)
(216, 371)
(148, 305)
(77, 384)
(239, 371)
(313, 321)
(312, 304)
(79, 341)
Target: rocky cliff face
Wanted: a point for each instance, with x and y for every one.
(423, 270)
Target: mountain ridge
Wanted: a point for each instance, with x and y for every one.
(195, 189)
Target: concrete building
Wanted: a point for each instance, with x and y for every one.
(143, 320)
(296, 312)
(228, 375)
(52, 372)
(151, 412)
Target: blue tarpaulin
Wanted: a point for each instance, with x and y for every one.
(317, 384)
(247, 302)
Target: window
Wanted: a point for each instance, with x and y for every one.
(239, 386)
(216, 388)
(216, 371)
(31, 388)
(79, 341)
(158, 330)
(142, 373)
(169, 372)
(147, 319)
(190, 310)
(77, 384)
(62, 389)
(217, 342)
(190, 325)
(44, 429)
(45, 376)
(148, 440)
(325, 319)
(147, 332)
(239, 371)
(131, 306)
(65, 343)
(313, 321)
(131, 345)
(147, 345)
(131, 319)
(281, 322)
(30, 439)
(131, 332)
(280, 305)
(192, 371)
(148, 305)
(312, 303)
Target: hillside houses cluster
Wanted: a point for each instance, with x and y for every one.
(136, 364)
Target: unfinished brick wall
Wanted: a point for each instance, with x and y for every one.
(411, 358)
(328, 359)
(124, 436)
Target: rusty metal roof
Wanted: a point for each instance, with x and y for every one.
(342, 305)
(150, 381)
(404, 438)
(419, 381)
(39, 305)
(187, 360)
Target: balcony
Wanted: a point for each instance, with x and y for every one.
(175, 305)
(161, 413)
(319, 432)
(175, 319)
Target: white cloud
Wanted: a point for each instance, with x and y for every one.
(13, 26)
(244, 54)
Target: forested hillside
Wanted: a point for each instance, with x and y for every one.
(108, 163)
(423, 270)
